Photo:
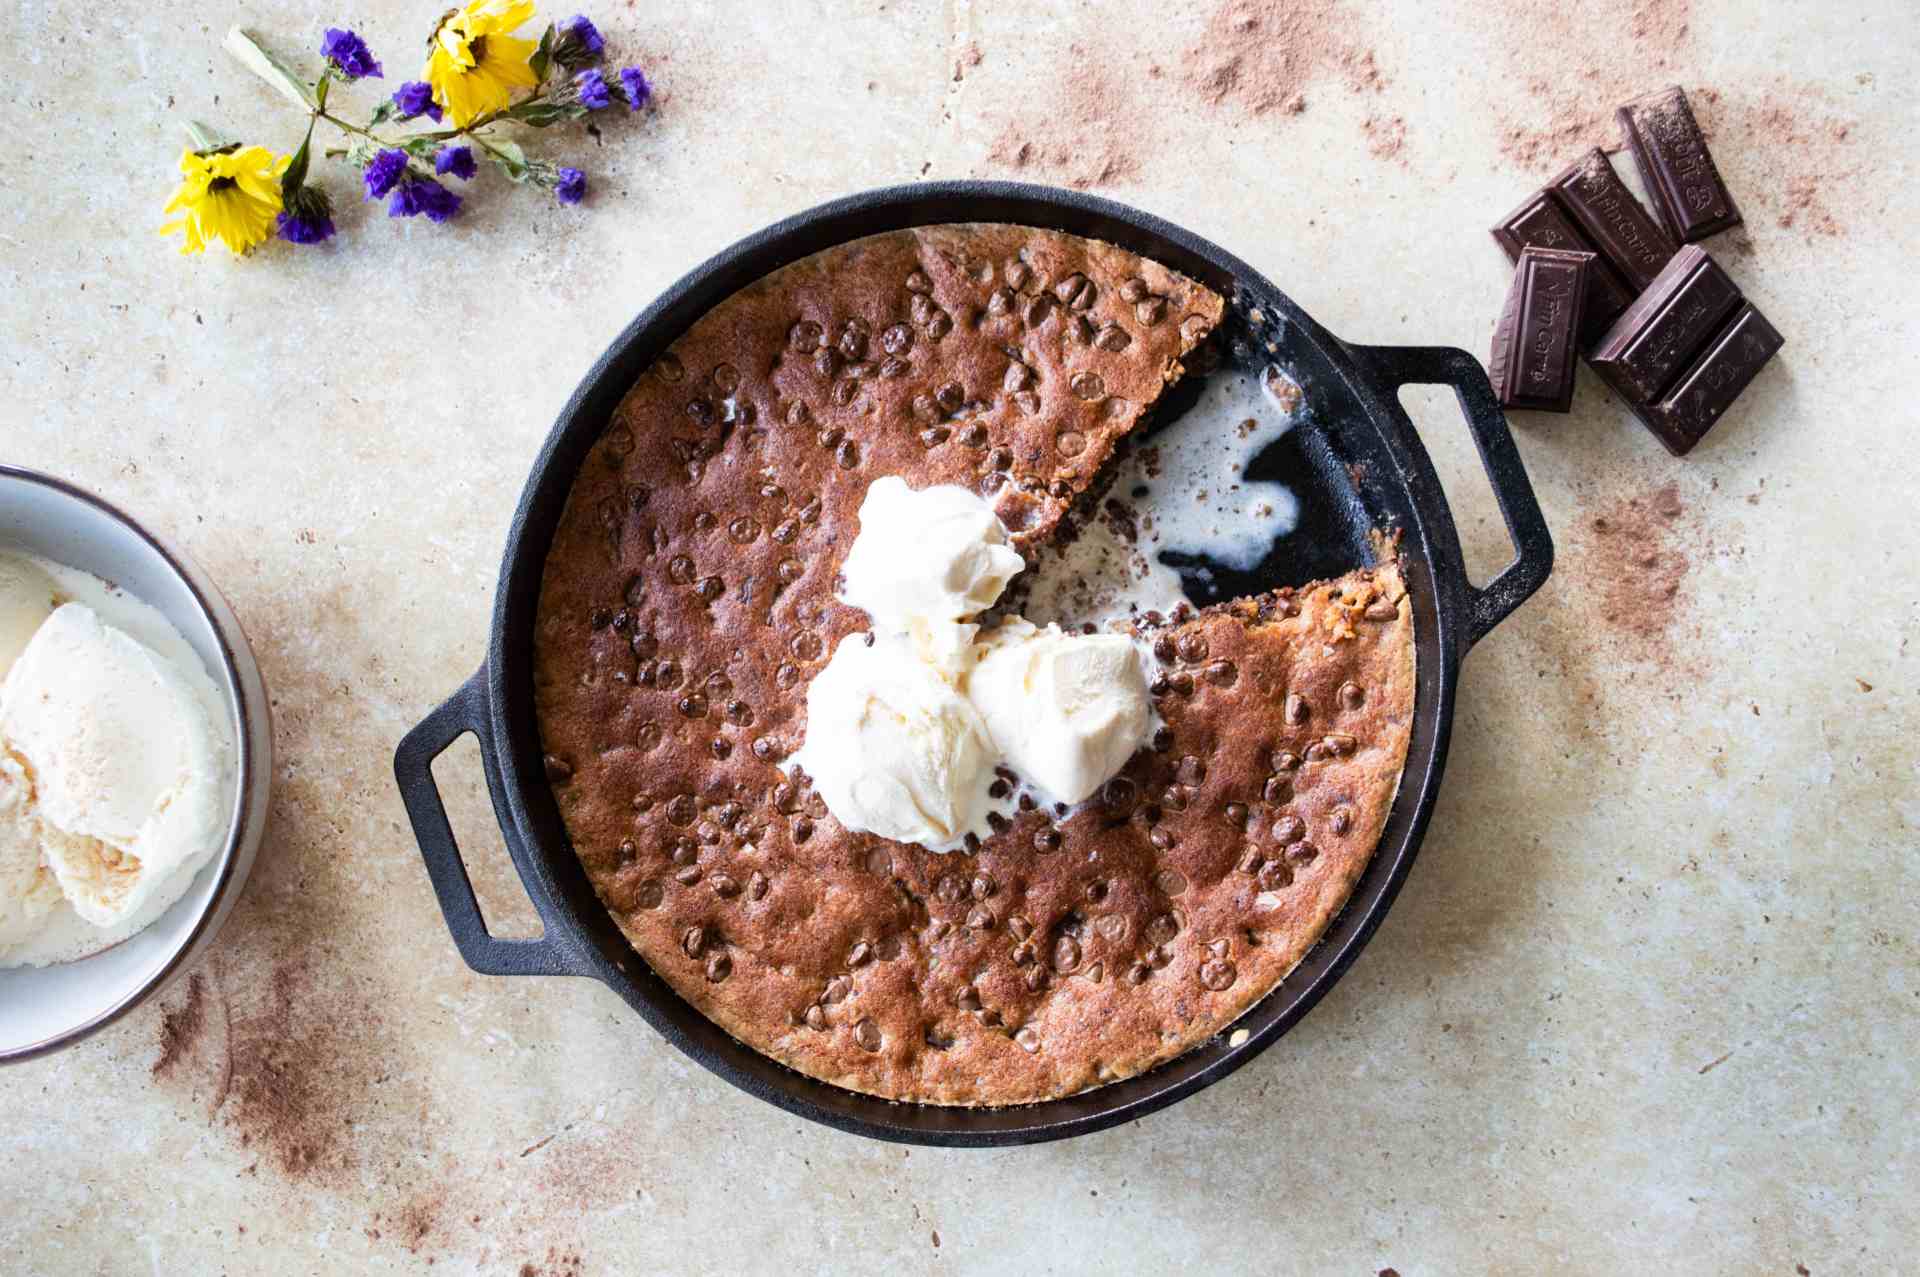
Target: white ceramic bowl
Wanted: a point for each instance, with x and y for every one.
(45, 1008)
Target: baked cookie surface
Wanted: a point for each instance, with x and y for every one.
(688, 599)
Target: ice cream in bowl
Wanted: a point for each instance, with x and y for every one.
(134, 762)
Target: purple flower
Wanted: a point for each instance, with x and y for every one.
(592, 87)
(415, 98)
(349, 54)
(416, 195)
(300, 230)
(572, 186)
(384, 171)
(457, 160)
(633, 83)
(577, 42)
(307, 218)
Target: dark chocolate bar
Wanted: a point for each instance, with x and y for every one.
(1534, 343)
(1542, 223)
(1676, 167)
(1666, 326)
(1624, 233)
(1706, 390)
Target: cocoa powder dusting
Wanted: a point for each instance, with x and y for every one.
(181, 1027)
(278, 1042)
(289, 1092)
(1790, 159)
(1633, 560)
(1077, 138)
(1095, 113)
(1260, 55)
(1571, 94)
(1386, 137)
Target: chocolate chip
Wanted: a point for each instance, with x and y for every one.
(1133, 290)
(1275, 875)
(1289, 828)
(1297, 710)
(1236, 814)
(1036, 978)
(693, 941)
(756, 885)
(724, 885)
(1088, 385)
(980, 920)
(816, 1017)
(867, 1034)
(1218, 975)
(1303, 853)
(1277, 790)
(1351, 696)
(1076, 290)
(838, 990)
(719, 967)
(860, 954)
(1381, 610)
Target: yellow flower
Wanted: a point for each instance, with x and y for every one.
(474, 65)
(231, 196)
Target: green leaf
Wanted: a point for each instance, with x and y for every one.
(387, 109)
(320, 89)
(542, 56)
(511, 159)
(540, 115)
(420, 148)
(206, 138)
(296, 175)
(255, 58)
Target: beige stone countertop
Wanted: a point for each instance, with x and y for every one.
(1647, 1001)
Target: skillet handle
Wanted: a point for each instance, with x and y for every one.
(1487, 605)
(465, 711)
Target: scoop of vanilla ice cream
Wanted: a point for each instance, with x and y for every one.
(27, 598)
(124, 761)
(1065, 710)
(893, 747)
(936, 554)
(28, 890)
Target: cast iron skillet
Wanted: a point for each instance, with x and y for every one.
(1356, 465)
